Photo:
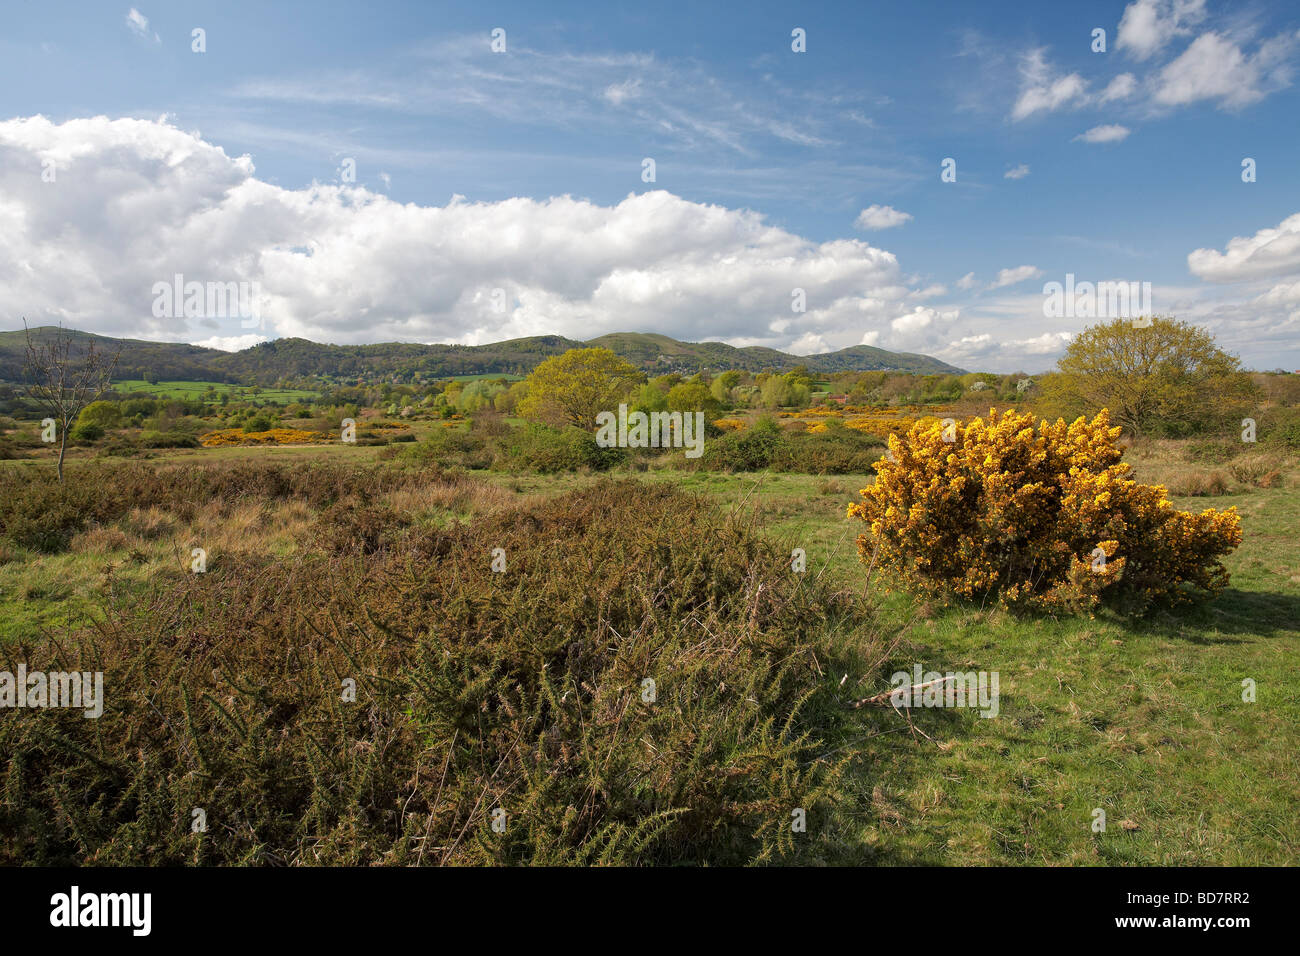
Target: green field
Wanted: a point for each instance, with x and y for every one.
(197, 390)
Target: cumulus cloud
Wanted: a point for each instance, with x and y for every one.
(1147, 26)
(1268, 253)
(1215, 68)
(1286, 293)
(968, 281)
(1042, 90)
(1017, 172)
(1049, 343)
(231, 343)
(137, 202)
(881, 217)
(1008, 277)
(1110, 133)
(921, 319)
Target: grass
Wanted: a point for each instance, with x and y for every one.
(197, 390)
(1144, 720)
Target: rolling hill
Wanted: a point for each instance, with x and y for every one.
(283, 360)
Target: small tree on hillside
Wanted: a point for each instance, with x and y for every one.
(1166, 377)
(63, 382)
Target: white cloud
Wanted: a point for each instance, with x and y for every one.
(1008, 277)
(1017, 172)
(138, 201)
(930, 292)
(1041, 90)
(968, 281)
(231, 343)
(1120, 88)
(620, 93)
(1286, 293)
(1104, 134)
(1049, 343)
(535, 87)
(921, 318)
(881, 217)
(810, 343)
(1268, 253)
(1215, 68)
(138, 24)
(1148, 25)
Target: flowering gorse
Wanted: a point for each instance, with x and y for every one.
(1041, 516)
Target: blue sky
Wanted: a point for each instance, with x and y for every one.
(774, 170)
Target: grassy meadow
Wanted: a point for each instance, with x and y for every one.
(1141, 718)
(198, 390)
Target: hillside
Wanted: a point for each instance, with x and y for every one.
(170, 361)
(296, 359)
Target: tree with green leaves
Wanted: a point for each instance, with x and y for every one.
(1167, 377)
(570, 389)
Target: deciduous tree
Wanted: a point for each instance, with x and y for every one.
(1167, 377)
(570, 389)
(63, 380)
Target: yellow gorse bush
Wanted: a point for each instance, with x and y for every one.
(1041, 516)
(276, 436)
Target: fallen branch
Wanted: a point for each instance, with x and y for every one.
(881, 699)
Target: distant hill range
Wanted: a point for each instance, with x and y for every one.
(285, 360)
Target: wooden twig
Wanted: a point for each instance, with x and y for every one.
(885, 697)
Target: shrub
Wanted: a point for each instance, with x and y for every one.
(1261, 470)
(835, 450)
(523, 690)
(87, 433)
(544, 449)
(1020, 511)
(753, 449)
(43, 515)
(1282, 427)
(243, 436)
(1197, 485)
(167, 439)
(453, 447)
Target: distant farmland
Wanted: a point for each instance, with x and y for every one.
(196, 390)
